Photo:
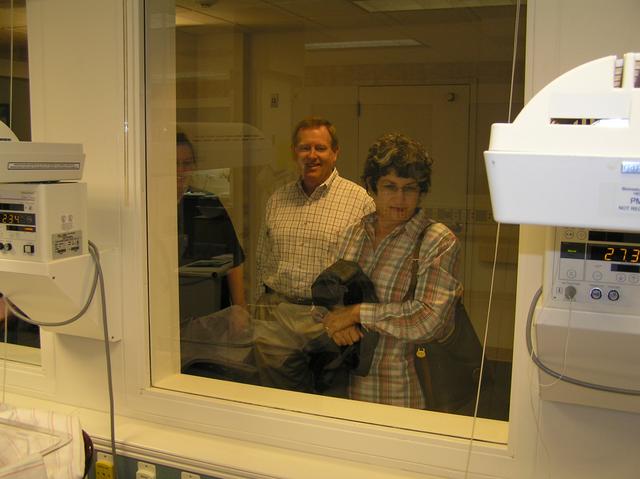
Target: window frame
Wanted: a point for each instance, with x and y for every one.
(209, 405)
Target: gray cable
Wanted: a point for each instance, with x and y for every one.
(97, 278)
(95, 254)
(555, 374)
(16, 312)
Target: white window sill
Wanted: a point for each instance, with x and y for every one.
(397, 418)
(210, 454)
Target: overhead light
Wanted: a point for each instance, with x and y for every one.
(403, 42)
(409, 5)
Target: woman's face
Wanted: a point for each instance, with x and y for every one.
(396, 199)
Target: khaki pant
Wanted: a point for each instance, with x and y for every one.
(283, 333)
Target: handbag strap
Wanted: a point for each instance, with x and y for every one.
(414, 265)
(421, 364)
(414, 272)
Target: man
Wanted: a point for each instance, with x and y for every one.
(297, 241)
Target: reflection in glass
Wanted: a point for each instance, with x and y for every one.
(210, 265)
(18, 332)
(15, 113)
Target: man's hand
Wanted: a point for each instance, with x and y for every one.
(239, 322)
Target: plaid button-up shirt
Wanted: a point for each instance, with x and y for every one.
(402, 321)
(299, 235)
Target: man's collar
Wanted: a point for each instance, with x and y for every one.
(321, 188)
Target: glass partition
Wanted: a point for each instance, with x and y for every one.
(244, 213)
(23, 339)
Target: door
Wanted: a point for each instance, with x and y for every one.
(438, 117)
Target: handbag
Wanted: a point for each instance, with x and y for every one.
(448, 369)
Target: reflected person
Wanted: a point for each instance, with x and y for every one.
(397, 174)
(298, 237)
(18, 331)
(202, 237)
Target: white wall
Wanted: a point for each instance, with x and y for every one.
(78, 95)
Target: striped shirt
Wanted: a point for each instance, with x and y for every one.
(299, 235)
(427, 315)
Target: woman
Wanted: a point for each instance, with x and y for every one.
(397, 173)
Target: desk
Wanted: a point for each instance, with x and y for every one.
(200, 285)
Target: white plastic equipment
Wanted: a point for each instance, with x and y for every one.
(572, 156)
(46, 269)
(22, 162)
(571, 159)
(587, 325)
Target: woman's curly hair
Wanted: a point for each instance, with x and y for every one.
(395, 152)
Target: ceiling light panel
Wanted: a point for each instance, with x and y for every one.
(403, 42)
(409, 5)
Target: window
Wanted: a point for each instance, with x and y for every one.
(227, 82)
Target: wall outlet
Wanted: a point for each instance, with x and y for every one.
(189, 475)
(146, 471)
(104, 466)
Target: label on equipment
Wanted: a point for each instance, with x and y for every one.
(630, 168)
(629, 199)
(43, 165)
(68, 244)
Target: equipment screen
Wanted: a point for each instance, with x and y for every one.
(614, 252)
(14, 218)
(12, 206)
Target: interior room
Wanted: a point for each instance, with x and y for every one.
(164, 369)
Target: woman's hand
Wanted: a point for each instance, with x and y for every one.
(341, 318)
(347, 336)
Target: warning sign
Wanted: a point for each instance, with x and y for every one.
(64, 245)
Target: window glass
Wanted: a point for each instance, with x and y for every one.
(23, 338)
(237, 247)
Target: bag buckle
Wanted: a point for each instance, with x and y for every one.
(421, 352)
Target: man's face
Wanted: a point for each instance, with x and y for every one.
(314, 157)
(185, 164)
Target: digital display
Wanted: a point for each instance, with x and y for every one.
(13, 218)
(24, 229)
(614, 237)
(626, 268)
(572, 250)
(12, 206)
(614, 252)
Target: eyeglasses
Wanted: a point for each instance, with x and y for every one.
(392, 189)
